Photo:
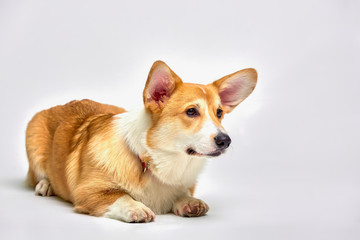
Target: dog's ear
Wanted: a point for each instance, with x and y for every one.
(234, 88)
(161, 83)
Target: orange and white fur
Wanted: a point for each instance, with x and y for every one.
(132, 165)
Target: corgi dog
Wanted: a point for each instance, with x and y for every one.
(132, 165)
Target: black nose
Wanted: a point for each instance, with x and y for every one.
(222, 140)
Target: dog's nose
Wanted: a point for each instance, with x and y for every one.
(222, 140)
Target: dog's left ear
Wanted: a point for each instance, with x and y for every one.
(160, 85)
(234, 88)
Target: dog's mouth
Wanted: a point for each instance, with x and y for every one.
(192, 152)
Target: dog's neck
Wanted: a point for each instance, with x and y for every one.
(133, 126)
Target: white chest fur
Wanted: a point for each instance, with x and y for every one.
(177, 170)
(159, 197)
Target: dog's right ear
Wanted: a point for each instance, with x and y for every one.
(234, 88)
(161, 83)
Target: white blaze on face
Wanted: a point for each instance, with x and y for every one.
(202, 141)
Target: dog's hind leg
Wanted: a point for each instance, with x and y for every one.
(38, 149)
(43, 188)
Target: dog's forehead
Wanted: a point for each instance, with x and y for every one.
(193, 92)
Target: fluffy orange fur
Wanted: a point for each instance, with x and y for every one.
(57, 147)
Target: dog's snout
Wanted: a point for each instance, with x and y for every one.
(222, 140)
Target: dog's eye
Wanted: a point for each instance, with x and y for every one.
(192, 112)
(219, 113)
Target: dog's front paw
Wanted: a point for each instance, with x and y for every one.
(190, 207)
(141, 214)
(128, 210)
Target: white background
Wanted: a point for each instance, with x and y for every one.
(293, 171)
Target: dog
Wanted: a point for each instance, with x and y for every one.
(132, 165)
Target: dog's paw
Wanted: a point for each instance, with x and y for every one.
(190, 207)
(129, 210)
(140, 214)
(43, 188)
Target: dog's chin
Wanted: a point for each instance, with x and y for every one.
(192, 152)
